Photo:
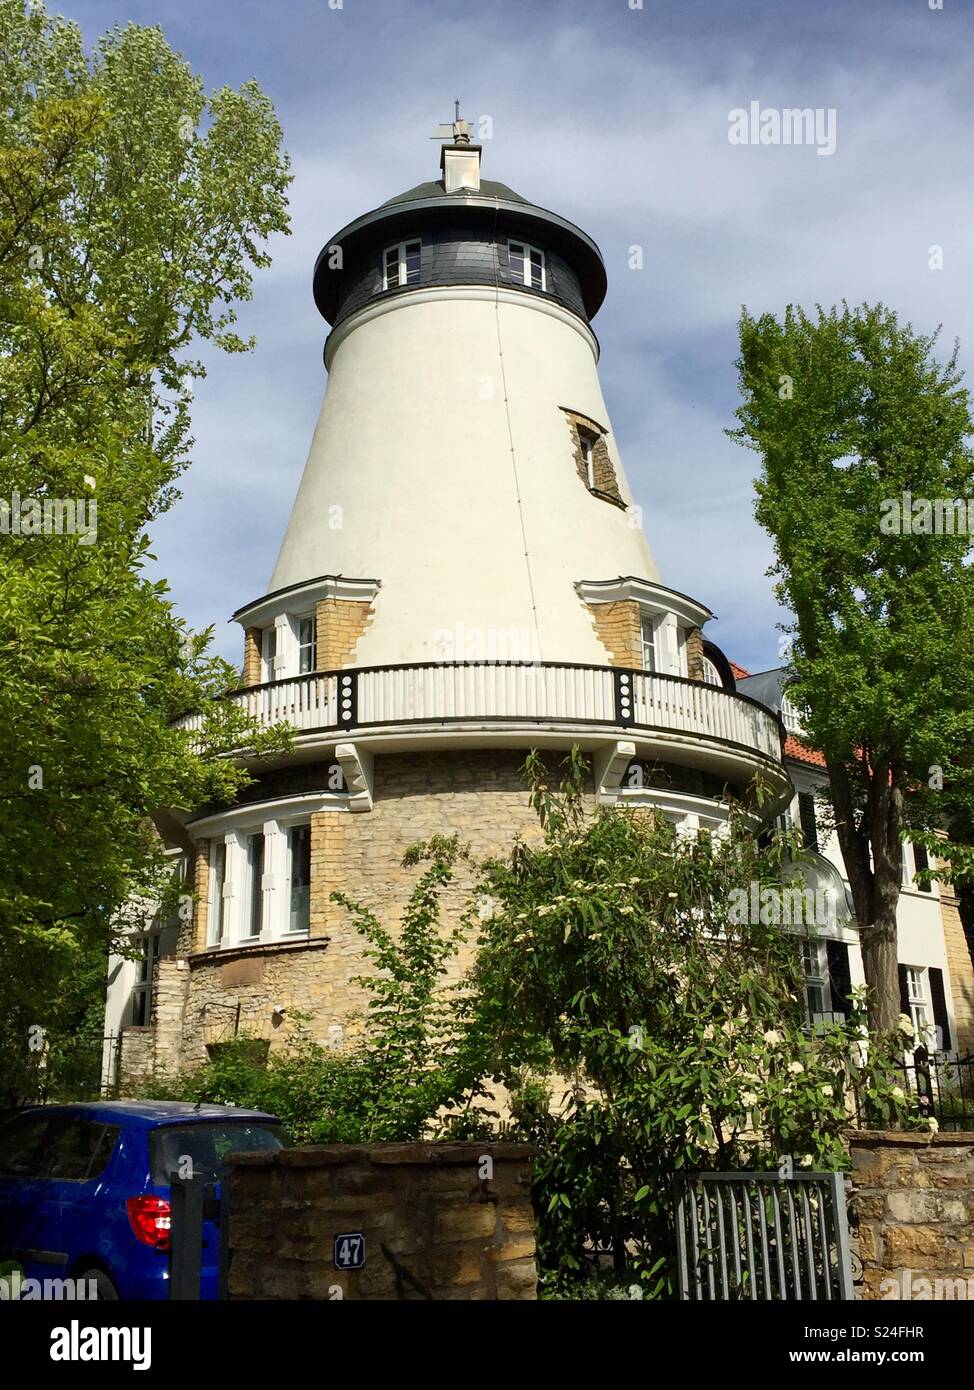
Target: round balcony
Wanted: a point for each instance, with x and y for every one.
(523, 704)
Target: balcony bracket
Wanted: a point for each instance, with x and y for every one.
(609, 766)
(358, 769)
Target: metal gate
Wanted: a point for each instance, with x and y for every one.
(762, 1236)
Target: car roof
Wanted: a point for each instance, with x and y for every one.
(151, 1112)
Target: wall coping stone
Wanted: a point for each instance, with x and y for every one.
(909, 1139)
(216, 955)
(417, 1154)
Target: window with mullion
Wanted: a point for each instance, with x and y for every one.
(299, 877)
(650, 659)
(815, 968)
(255, 880)
(307, 646)
(142, 992)
(217, 903)
(401, 264)
(527, 264)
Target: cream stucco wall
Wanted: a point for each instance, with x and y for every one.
(442, 455)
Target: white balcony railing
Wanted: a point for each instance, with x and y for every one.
(510, 693)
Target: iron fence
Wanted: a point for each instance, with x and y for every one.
(941, 1086)
(762, 1236)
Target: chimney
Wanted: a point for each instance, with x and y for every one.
(460, 162)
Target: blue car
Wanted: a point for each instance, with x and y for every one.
(84, 1188)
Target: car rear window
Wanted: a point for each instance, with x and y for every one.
(201, 1148)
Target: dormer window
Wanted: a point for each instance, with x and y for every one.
(527, 265)
(400, 265)
(592, 461)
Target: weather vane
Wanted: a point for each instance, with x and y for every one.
(458, 132)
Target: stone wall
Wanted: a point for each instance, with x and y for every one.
(479, 795)
(695, 654)
(619, 628)
(960, 968)
(136, 1058)
(604, 481)
(912, 1209)
(440, 1221)
(253, 640)
(339, 625)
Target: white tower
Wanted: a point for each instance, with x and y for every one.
(464, 576)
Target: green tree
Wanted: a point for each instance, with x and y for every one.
(412, 1062)
(616, 956)
(850, 410)
(133, 211)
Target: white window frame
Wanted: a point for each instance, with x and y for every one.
(586, 443)
(217, 911)
(289, 871)
(312, 646)
(252, 891)
(142, 989)
(711, 675)
(649, 641)
(815, 969)
(525, 252)
(918, 999)
(401, 250)
(268, 653)
(231, 927)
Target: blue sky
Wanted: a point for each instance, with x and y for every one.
(618, 119)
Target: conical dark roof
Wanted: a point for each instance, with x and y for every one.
(489, 188)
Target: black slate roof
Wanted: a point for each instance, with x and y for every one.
(489, 188)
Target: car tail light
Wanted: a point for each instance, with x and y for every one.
(150, 1219)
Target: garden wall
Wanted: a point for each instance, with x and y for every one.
(913, 1207)
(439, 1221)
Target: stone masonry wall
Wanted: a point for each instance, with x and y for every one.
(251, 675)
(339, 625)
(604, 479)
(440, 1221)
(619, 629)
(695, 654)
(136, 1058)
(479, 795)
(960, 968)
(913, 1209)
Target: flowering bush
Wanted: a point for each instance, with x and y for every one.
(610, 958)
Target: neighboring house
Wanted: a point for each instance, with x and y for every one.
(935, 972)
(464, 577)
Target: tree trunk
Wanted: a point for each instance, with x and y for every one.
(878, 943)
(875, 885)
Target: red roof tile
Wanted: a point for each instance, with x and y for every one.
(738, 671)
(802, 753)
